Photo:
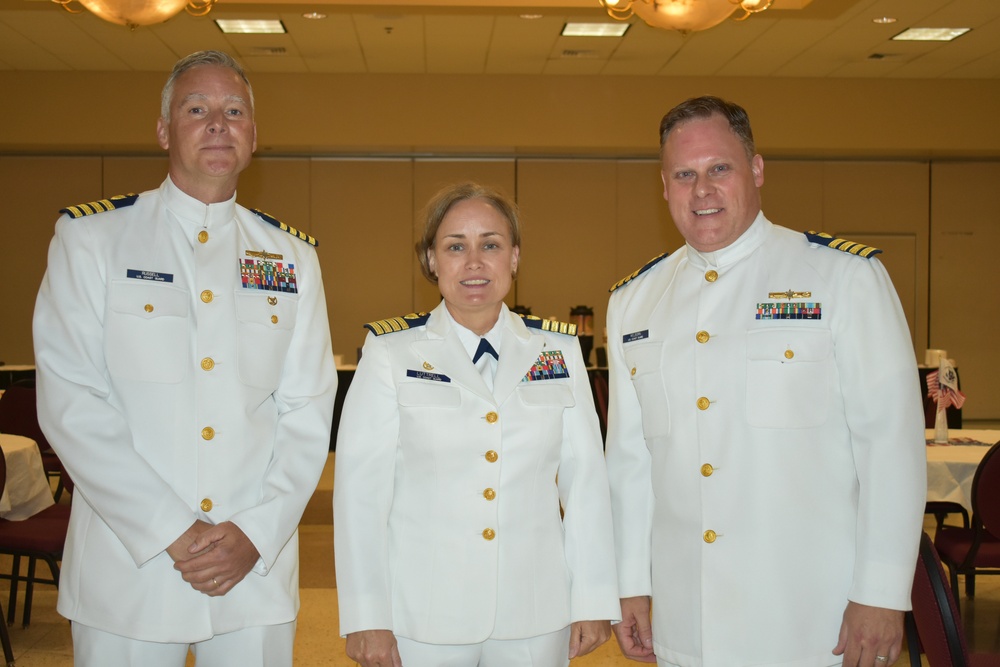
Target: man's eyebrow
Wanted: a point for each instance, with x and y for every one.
(194, 96)
(202, 96)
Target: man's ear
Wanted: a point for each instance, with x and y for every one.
(757, 167)
(163, 133)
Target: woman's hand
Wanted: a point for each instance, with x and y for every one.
(585, 636)
(373, 648)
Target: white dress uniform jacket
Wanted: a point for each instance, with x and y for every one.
(446, 509)
(173, 392)
(764, 469)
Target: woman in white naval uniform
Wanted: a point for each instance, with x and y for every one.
(450, 548)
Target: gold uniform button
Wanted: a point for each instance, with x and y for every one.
(703, 403)
(701, 337)
(789, 354)
(632, 372)
(207, 364)
(489, 534)
(707, 470)
(492, 417)
(206, 505)
(148, 307)
(203, 236)
(207, 433)
(489, 494)
(709, 536)
(274, 319)
(207, 296)
(492, 456)
(711, 276)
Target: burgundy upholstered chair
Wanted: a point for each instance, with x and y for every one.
(976, 550)
(40, 536)
(936, 620)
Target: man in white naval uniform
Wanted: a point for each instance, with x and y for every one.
(186, 380)
(765, 445)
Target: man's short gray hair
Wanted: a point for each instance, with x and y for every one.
(217, 58)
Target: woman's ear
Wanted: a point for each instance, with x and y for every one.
(432, 262)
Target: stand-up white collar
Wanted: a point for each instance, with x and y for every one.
(189, 209)
(742, 247)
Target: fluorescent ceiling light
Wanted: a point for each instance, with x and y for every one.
(245, 27)
(930, 34)
(594, 29)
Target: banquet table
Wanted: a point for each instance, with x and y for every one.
(27, 490)
(951, 467)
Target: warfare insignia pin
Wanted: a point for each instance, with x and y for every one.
(789, 294)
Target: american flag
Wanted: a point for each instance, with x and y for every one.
(942, 385)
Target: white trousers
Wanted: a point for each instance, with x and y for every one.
(551, 650)
(264, 646)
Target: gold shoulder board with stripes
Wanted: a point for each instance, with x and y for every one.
(100, 206)
(271, 220)
(555, 326)
(394, 324)
(843, 245)
(635, 274)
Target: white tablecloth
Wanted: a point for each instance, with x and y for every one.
(27, 491)
(950, 468)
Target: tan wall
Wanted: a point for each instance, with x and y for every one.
(112, 112)
(964, 285)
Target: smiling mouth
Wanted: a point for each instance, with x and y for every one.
(707, 211)
(475, 283)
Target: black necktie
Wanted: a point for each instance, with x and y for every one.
(484, 348)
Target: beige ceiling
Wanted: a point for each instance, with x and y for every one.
(796, 38)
